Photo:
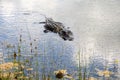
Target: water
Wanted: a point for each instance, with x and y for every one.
(95, 24)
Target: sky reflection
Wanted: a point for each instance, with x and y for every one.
(95, 23)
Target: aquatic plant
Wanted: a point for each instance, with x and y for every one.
(104, 73)
(60, 74)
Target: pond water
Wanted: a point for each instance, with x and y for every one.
(94, 23)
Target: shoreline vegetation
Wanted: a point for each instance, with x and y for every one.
(15, 65)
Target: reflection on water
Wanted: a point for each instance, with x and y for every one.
(95, 25)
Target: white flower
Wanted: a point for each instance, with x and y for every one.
(104, 73)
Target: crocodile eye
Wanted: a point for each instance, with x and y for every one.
(63, 32)
(69, 32)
